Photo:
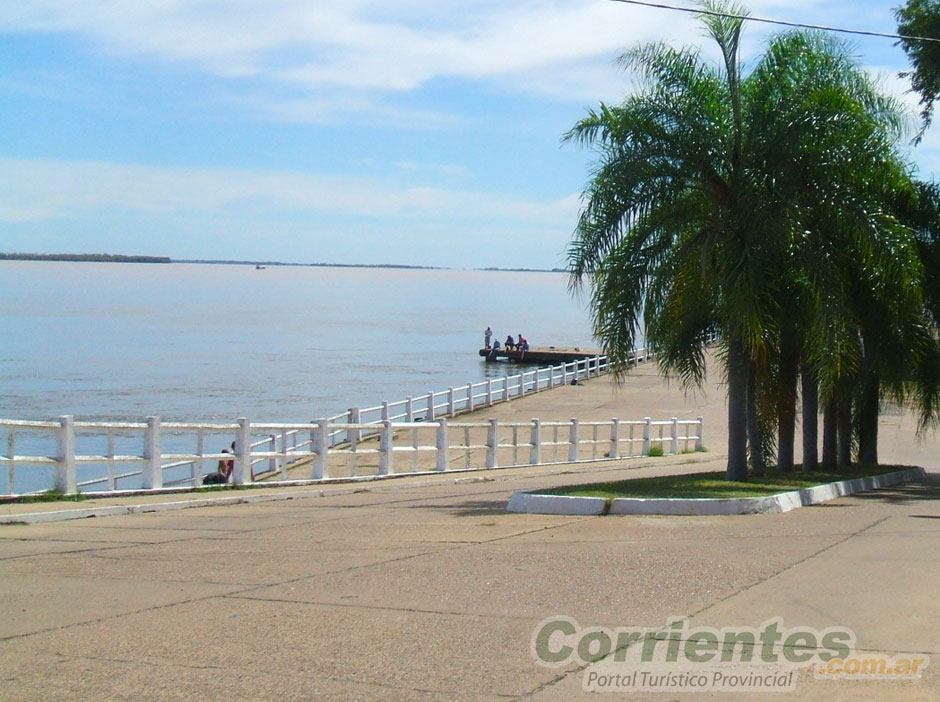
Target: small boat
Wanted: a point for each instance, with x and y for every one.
(259, 267)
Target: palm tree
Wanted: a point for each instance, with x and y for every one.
(709, 184)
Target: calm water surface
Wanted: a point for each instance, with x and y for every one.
(195, 342)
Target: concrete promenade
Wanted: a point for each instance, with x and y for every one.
(427, 589)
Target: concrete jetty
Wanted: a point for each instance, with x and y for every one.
(425, 588)
(543, 355)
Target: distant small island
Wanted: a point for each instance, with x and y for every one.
(84, 258)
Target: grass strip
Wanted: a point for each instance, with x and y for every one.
(714, 485)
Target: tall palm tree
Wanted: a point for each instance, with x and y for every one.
(707, 182)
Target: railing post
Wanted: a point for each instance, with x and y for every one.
(451, 406)
(489, 392)
(409, 409)
(65, 480)
(646, 436)
(573, 441)
(152, 478)
(564, 373)
(272, 462)
(442, 445)
(353, 436)
(700, 441)
(538, 372)
(551, 377)
(536, 441)
(322, 449)
(430, 406)
(615, 438)
(521, 383)
(491, 438)
(242, 453)
(469, 397)
(506, 387)
(282, 459)
(195, 472)
(385, 448)
(385, 411)
(675, 436)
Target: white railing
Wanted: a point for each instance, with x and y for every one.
(112, 463)
(469, 397)
(426, 447)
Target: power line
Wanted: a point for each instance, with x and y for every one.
(801, 25)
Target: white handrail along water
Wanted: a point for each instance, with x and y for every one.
(359, 444)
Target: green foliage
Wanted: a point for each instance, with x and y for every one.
(759, 207)
(51, 496)
(656, 452)
(921, 18)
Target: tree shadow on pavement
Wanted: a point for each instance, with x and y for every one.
(919, 491)
(470, 508)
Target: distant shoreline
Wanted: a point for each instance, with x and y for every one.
(84, 258)
(118, 258)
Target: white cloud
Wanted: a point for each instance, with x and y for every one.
(361, 45)
(40, 189)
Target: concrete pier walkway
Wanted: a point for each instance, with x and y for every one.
(427, 589)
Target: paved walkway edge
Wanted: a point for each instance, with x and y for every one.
(535, 503)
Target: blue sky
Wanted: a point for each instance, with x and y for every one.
(403, 131)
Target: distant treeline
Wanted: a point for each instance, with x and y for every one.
(226, 262)
(93, 258)
(526, 270)
(117, 258)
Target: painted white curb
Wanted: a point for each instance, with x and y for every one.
(556, 504)
(783, 502)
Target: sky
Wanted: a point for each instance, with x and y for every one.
(404, 131)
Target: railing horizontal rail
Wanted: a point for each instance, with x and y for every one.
(358, 443)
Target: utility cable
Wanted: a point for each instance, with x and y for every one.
(801, 25)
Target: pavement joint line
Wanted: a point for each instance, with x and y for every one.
(742, 590)
(383, 608)
(240, 589)
(846, 537)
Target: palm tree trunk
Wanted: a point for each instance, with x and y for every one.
(754, 439)
(868, 419)
(810, 390)
(844, 422)
(786, 407)
(829, 434)
(737, 411)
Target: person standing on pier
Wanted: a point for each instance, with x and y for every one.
(487, 337)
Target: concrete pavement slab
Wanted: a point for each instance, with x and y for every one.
(32, 604)
(637, 582)
(102, 531)
(446, 655)
(209, 561)
(53, 676)
(20, 548)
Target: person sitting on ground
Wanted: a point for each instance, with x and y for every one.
(223, 472)
(510, 343)
(522, 343)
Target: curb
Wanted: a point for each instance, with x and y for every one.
(535, 503)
